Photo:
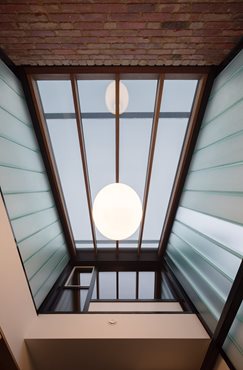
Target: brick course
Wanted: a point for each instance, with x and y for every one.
(112, 32)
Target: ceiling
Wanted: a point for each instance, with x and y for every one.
(113, 32)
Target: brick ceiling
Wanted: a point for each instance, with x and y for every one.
(113, 32)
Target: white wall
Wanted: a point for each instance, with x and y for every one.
(16, 309)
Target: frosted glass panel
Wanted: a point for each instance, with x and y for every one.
(27, 193)
(64, 140)
(233, 345)
(205, 248)
(220, 205)
(14, 104)
(92, 95)
(226, 233)
(225, 178)
(56, 96)
(220, 129)
(169, 142)
(141, 95)
(178, 95)
(16, 156)
(226, 152)
(16, 131)
(212, 251)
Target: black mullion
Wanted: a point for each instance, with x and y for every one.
(90, 291)
(157, 105)
(83, 154)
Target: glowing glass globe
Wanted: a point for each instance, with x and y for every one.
(110, 97)
(117, 211)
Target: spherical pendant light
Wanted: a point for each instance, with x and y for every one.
(117, 211)
(110, 97)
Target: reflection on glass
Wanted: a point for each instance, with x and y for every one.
(56, 96)
(166, 292)
(71, 300)
(127, 285)
(146, 285)
(107, 285)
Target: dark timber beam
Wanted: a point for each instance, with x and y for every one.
(227, 317)
(197, 113)
(151, 155)
(83, 154)
(126, 72)
(130, 115)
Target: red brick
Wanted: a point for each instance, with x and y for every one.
(138, 32)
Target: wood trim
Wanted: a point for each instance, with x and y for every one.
(151, 155)
(41, 131)
(117, 92)
(198, 109)
(227, 317)
(137, 72)
(83, 154)
(117, 131)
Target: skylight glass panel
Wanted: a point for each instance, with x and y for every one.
(134, 148)
(92, 95)
(100, 140)
(141, 95)
(65, 144)
(170, 137)
(178, 95)
(56, 96)
(99, 136)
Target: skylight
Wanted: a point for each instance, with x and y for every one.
(148, 136)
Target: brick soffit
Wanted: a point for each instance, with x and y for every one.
(113, 32)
